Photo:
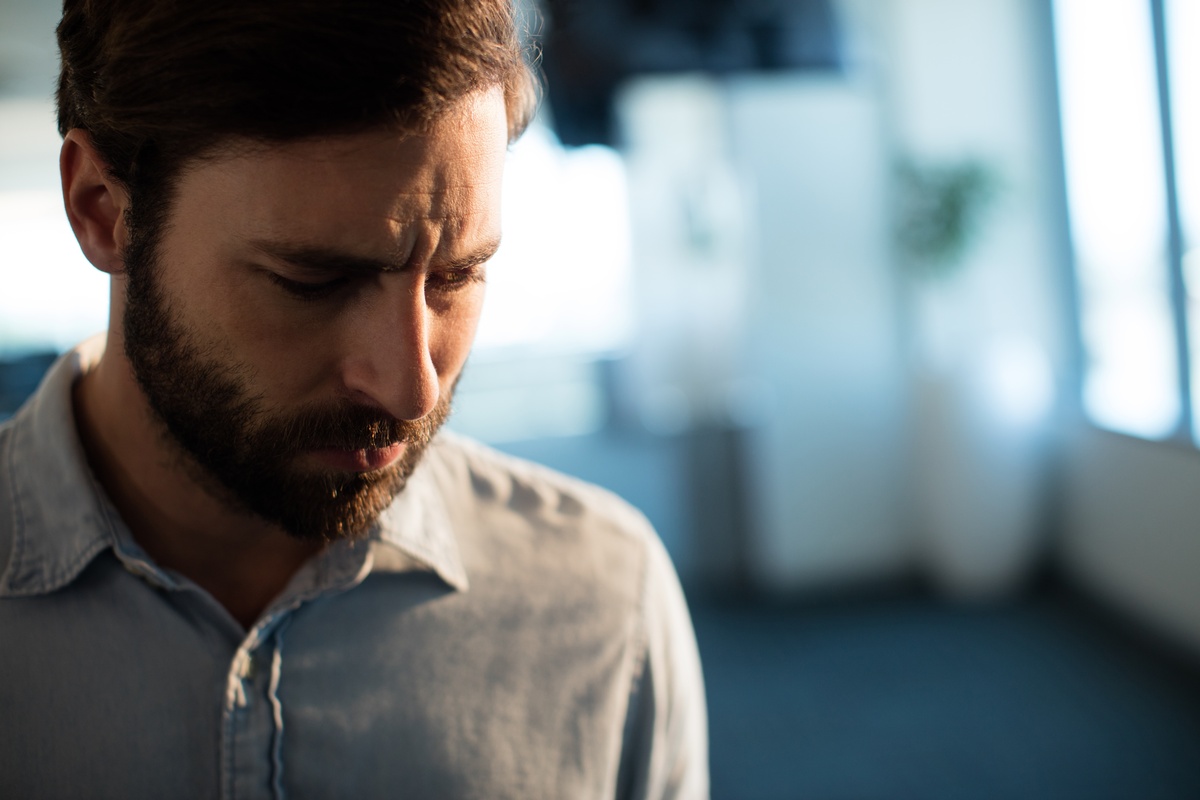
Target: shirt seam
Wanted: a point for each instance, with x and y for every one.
(18, 541)
(626, 770)
(641, 643)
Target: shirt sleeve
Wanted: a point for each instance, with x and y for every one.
(666, 733)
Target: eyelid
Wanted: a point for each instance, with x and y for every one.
(308, 290)
(302, 274)
(459, 276)
(314, 285)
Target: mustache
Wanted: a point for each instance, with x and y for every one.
(352, 427)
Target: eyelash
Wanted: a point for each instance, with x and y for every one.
(450, 281)
(309, 291)
(454, 280)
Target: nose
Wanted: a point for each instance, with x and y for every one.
(389, 362)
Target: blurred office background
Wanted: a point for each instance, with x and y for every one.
(884, 312)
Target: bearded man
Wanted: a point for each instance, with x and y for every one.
(237, 557)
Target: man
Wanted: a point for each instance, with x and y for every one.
(237, 559)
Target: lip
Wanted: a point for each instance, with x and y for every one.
(364, 460)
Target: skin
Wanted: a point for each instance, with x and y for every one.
(425, 205)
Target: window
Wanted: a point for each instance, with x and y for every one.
(1128, 92)
(1183, 63)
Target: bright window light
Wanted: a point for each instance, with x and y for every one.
(50, 296)
(1117, 197)
(1183, 31)
(558, 295)
(560, 282)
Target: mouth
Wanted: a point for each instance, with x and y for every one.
(361, 460)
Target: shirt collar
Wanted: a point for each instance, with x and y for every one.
(61, 518)
(417, 525)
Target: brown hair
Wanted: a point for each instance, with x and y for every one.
(156, 83)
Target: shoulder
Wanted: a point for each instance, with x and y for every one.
(578, 553)
(509, 513)
(540, 494)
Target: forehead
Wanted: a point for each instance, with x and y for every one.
(359, 188)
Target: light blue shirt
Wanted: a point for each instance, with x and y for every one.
(505, 632)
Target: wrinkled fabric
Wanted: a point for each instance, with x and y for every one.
(504, 632)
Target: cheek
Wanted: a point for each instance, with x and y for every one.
(289, 352)
(217, 298)
(452, 335)
(272, 339)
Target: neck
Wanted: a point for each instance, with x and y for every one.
(242, 561)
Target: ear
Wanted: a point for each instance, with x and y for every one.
(95, 203)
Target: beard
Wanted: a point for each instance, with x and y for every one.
(239, 451)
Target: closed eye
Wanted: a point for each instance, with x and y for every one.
(451, 280)
(306, 290)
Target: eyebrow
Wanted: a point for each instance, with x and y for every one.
(322, 259)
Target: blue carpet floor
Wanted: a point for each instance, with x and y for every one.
(905, 697)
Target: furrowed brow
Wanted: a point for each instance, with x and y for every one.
(320, 259)
(481, 256)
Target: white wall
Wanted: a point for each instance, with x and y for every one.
(766, 300)
(822, 334)
(1131, 530)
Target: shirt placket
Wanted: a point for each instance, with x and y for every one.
(252, 729)
(252, 723)
(252, 717)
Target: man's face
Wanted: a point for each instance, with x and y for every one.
(300, 321)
